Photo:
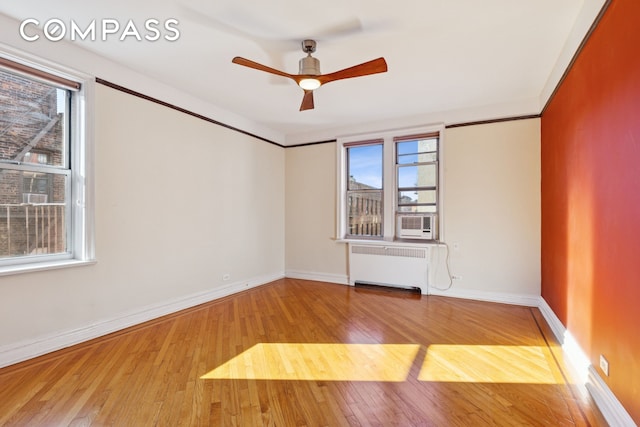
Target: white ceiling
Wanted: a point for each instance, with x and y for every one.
(449, 61)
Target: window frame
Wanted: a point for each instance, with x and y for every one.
(390, 188)
(78, 165)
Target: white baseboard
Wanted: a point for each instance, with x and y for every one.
(19, 352)
(609, 405)
(500, 297)
(611, 408)
(552, 320)
(505, 298)
(320, 277)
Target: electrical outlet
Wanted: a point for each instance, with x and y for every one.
(226, 277)
(604, 365)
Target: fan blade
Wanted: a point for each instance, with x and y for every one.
(307, 101)
(256, 66)
(371, 67)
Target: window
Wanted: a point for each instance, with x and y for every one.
(43, 168)
(417, 174)
(364, 189)
(385, 176)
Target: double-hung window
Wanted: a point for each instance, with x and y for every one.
(417, 173)
(43, 169)
(364, 196)
(389, 179)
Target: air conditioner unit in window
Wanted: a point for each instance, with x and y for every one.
(34, 198)
(422, 226)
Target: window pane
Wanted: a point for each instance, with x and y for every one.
(32, 213)
(417, 151)
(412, 197)
(417, 176)
(418, 146)
(364, 213)
(364, 165)
(33, 121)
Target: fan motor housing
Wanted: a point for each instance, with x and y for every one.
(309, 66)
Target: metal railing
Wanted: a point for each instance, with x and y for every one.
(32, 229)
(364, 213)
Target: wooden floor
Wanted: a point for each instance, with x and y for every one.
(301, 353)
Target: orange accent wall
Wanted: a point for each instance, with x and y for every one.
(591, 200)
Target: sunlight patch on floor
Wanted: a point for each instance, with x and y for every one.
(313, 361)
(487, 364)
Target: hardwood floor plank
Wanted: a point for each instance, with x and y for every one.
(303, 353)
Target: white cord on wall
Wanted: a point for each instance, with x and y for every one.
(448, 269)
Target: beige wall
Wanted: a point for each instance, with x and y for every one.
(310, 212)
(492, 206)
(491, 211)
(179, 203)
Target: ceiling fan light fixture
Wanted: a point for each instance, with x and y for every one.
(309, 78)
(309, 83)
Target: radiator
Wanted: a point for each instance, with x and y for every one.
(389, 265)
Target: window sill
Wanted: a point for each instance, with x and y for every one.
(42, 266)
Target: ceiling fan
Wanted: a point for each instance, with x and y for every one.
(309, 77)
